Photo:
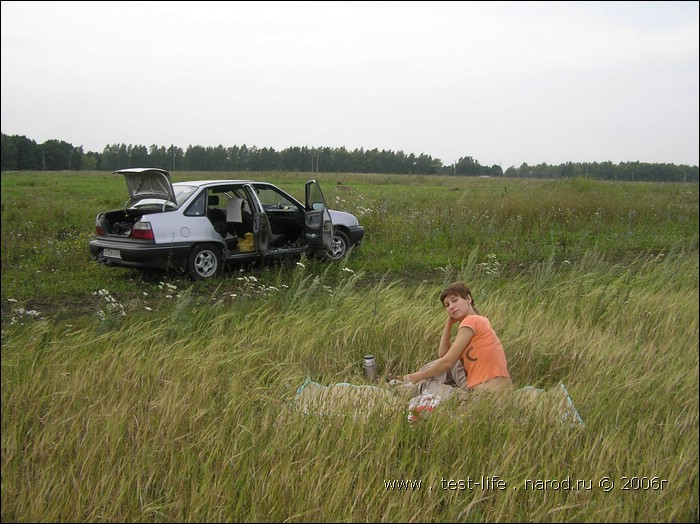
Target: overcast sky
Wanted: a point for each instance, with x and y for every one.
(502, 82)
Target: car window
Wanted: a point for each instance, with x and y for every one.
(154, 203)
(183, 192)
(272, 199)
(198, 207)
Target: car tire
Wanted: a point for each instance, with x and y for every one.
(205, 262)
(339, 245)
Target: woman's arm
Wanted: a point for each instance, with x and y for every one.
(445, 338)
(444, 363)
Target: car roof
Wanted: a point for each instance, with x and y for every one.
(218, 182)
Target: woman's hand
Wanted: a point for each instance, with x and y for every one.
(450, 321)
(408, 378)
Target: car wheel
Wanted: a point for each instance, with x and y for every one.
(339, 245)
(205, 262)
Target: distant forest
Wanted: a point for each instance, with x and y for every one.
(20, 153)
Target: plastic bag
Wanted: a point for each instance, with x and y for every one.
(422, 404)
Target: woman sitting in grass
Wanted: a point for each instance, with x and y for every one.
(475, 360)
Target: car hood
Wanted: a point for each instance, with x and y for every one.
(148, 182)
(343, 218)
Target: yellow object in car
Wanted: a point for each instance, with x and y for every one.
(247, 243)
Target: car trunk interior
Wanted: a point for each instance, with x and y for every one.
(120, 222)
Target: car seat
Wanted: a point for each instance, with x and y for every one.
(215, 215)
(246, 218)
(234, 209)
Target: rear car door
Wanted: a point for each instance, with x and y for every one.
(318, 226)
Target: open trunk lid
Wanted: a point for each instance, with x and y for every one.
(148, 182)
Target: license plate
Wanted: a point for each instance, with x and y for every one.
(112, 253)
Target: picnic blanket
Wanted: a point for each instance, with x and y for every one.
(360, 401)
(344, 398)
(555, 401)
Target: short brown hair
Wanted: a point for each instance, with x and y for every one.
(461, 290)
(456, 288)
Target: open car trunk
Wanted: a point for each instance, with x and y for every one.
(119, 223)
(142, 184)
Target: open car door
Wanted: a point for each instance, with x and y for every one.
(318, 226)
(261, 224)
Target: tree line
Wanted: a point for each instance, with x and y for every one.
(19, 153)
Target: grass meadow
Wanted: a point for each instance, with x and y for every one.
(132, 399)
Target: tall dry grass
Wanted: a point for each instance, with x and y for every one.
(186, 414)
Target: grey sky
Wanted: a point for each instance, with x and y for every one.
(502, 82)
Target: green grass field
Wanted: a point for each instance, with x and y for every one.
(125, 399)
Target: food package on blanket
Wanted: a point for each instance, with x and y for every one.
(424, 403)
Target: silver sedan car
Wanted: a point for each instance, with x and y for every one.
(197, 227)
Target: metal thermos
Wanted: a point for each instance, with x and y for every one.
(370, 368)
